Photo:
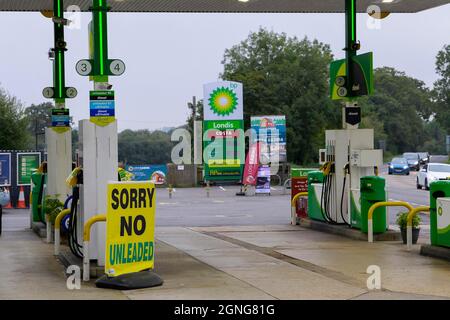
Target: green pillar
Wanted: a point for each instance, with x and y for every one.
(100, 37)
(352, 46)
(59, 49)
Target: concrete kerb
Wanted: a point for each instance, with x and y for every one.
(347, 232)
(435, 252)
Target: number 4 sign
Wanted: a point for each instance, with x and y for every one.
(85, 68)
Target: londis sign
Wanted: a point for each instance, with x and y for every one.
(130, 227)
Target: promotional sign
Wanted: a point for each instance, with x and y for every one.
(102, 107)
(223, 101)
(130, 227)
(26, 163)
(5, 169)
(299, 183)
(251, 165)
(156, 173)
(263, 180)
(224, 149)
(271, 133)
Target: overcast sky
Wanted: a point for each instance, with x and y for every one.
(170, 56)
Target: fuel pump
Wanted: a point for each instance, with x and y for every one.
(349, 157)
(38, 183)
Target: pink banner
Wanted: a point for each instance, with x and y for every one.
(251, 164)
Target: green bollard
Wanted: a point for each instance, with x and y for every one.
(373, 191)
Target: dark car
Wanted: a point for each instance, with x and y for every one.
(413, 159)
(424, 157)
(399, 166)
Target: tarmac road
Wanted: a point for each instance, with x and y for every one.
(191, 206)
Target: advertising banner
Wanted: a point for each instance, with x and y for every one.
(263, 180)
(5, 169)
(26, 163)
(271, 133)
(251, 165)
(130, 227)
(155, 172)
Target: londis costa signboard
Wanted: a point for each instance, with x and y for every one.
(130, 227)
(223, 131)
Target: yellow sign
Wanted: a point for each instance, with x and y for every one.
(130, 227)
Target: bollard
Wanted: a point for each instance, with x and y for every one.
(170, 191)
(58, 220)
(48, 228)
(382, 204)
(86, 239)
(411, 215)
(207, 189)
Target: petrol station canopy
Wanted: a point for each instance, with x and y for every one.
(312, 6)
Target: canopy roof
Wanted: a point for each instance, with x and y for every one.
(405, 6)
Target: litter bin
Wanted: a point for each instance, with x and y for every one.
(315, 178)
(372, 191)
(439, 213)
(37, 194)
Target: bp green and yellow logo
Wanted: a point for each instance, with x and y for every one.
(223, 101)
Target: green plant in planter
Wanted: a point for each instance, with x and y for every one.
(402, 220)
(53, 207)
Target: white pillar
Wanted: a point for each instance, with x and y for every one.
(59, 162)
(99, 159)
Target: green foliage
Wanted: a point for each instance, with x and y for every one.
(39, 117)
(13, 123)
(52, 208)
(400, 111)
(442, 88)
(144, 147)
(402, 220)
(283, 75)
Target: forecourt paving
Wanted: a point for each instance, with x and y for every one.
(233, 262)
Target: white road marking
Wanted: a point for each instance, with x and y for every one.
(222, 188)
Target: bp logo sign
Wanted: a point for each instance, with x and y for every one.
(223, 101)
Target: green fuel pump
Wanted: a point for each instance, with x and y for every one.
(38, 180)
(440, 213)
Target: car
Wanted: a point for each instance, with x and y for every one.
(413, 159)
(432, 172)
(424, 157)
(398, 166)
(4, 197)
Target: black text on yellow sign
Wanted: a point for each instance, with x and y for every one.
(130, 227)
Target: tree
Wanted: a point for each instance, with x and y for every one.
(39, 117)
(399, 109)
(283, 75)
(196, 113)
(13, 123)
(144, 147)
(442, 88)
